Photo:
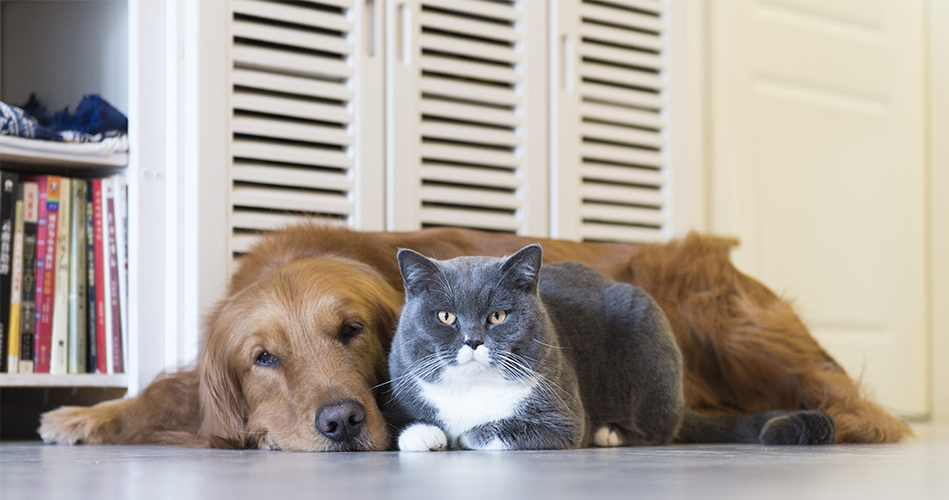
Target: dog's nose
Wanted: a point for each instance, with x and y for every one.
(341, 422)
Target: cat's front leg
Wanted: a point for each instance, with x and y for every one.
(514, 434)
(422, 436)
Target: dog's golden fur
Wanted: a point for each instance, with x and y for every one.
(744, 348)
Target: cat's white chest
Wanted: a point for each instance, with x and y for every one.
(465, 400)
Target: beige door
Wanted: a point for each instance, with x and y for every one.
(816, 126)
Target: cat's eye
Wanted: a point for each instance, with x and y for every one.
(267, 360)
(497, 317)
(446, 317)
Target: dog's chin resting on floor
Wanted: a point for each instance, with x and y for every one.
(293, 358)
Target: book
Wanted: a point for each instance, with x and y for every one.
(8, 182)
(13, 343)
(113, 318)
(44, 330)
(121, 241)
(102, 357)
(42, 182)
(91, 364)
(77, 279)
(59, 322)
(28, 287)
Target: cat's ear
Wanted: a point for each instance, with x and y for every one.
(523, 267)
(417, 270)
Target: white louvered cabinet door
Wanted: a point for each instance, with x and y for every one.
(466, 115)
(305, 83)
(609, 169)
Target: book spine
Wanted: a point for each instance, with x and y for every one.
(121, 241)
(101, 357)
(77, 278)
(43, 182)
(113, 325)
(92, 364)
(44, 331)
(59, 322)
(28, 298)
(8, 182)
(13, 351)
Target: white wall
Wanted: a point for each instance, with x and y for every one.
(38, 31)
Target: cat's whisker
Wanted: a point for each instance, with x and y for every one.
(549, 345)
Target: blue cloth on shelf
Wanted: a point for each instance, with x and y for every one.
(14, 121)
(94, 120)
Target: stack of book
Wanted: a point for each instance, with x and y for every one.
(63, 274)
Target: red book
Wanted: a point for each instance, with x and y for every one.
(114, 279)
(101, 359)
(44, 330)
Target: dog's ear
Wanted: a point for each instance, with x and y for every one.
(222, 404)
(417, 270)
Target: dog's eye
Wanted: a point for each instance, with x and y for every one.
(446, 317)
(267, 359)
(497, 317)
(349, 331)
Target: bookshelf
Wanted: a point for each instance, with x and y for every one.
(115, 48)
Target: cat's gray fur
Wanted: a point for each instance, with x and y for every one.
(579, 360)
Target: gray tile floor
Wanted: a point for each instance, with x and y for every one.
(919, 469)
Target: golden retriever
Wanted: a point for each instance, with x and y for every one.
(294, 355)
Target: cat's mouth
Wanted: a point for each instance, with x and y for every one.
(473, 358)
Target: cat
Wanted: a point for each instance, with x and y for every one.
(499, 353)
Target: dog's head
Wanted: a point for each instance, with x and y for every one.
(291, 361)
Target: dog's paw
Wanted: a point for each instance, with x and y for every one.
(72, 425)
(800, 427)
(607, 437)
(423, 437)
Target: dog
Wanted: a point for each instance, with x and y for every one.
(293, 358)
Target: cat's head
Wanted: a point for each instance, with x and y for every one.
(474, 313)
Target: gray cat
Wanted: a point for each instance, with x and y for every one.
(497, 354)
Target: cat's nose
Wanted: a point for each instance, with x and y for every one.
(473, 343)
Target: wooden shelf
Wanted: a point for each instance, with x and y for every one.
(75, 380)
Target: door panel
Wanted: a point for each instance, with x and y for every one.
(817, 135)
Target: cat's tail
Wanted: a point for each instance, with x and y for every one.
(770, 427)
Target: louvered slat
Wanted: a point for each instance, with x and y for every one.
(469, 218)
(290, 37)
(290, 200)
(472, 70)
(623, 135)
(281, 176)
(469, 197)
(480, 8)
(292, 114)
(469, 27)
(620, 17)
(290, 63)
(621, 115)
(469, 113)
(453, 45)
(470, 176)
(621, 155)
(623, 175)
(482, 135)
(454, 89)
(621, 37)
(622, 195)
(288, 153)
(291, 85)
(293, 14)
(281, 129)
(471, 155)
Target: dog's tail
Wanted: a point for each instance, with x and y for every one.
(771, 427)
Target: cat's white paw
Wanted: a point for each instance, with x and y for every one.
(423, 437)
(607, 437)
